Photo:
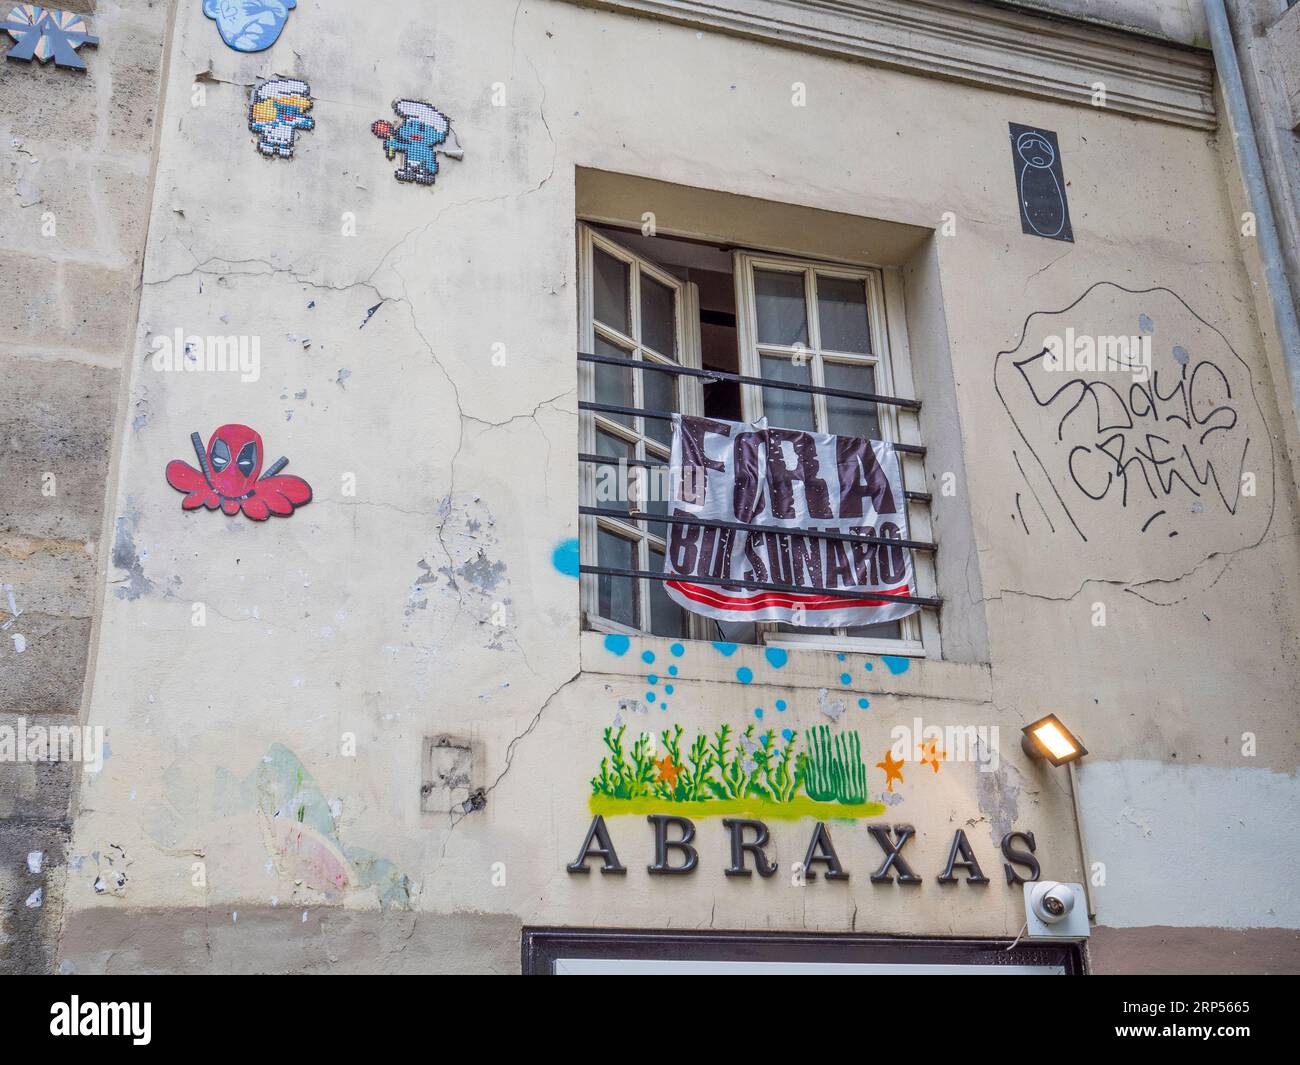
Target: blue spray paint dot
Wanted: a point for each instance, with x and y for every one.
(896, 663)
(764, 738)
(652, 679)
(840, 657)
(668, 688)
(647, 657)
(787, 734)
(744, 674)
(565, 557)
(780, 705)
(677, 650)
(650, 698)
(776, 657)
(617, 644)
(725, 649)
(758, 712)
(863, 703)
(672, 671)
(868, 666)
(845, 678)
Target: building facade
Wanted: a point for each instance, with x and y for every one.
(416, 701)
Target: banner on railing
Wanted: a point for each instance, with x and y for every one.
(793, 483)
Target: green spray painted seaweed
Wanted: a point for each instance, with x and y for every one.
(729, 770)
(834, 770)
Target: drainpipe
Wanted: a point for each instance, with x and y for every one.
(1252, 172)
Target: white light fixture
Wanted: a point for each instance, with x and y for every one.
(1049, 738)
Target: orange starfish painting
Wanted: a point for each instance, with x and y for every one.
(668, 771)
(893, 770)
(931, 755)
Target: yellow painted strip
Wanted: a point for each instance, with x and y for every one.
(758, 809)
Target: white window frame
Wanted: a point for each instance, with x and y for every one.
(889, 360)
(646, 535)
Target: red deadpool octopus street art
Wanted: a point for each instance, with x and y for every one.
(227, 477)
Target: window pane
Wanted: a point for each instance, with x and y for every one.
(660, 391)
(659, 490)
(610, 291)
(611, 487)
(785, 409)
(885, 630)
(842, 313)
(666, 617)
(658, 317)
(616, 595)
(848, 417)
(782, 317)
(613, 383)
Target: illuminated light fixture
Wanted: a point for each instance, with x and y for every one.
(1049, 738)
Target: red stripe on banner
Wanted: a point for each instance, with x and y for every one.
(705, 594)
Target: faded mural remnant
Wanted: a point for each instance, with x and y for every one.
(301, 834)
(42, 34)
(1142, 421)
(277, 109)
(249, 25)
(418, 137)
(230, 477)
(757, 775)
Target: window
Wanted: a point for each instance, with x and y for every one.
(814, 324)
(634, 310)
(741, 314)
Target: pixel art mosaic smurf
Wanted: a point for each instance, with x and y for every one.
(277, 110)
(419, 137)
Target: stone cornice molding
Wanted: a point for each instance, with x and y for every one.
(977, 43)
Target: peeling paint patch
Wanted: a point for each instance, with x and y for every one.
(832, 708)
(997, 792)
(35, 859)
(482, 573)
(127, 557)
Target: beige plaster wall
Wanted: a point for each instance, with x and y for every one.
(371, 617)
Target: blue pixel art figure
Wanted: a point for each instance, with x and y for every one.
(278, 109)
(419, 137)
(249, 25)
